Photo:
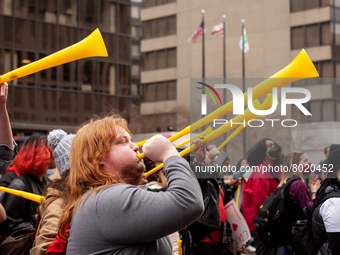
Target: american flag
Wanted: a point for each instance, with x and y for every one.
(196, 34)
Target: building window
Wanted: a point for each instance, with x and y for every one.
(151, 3)
(325, 69)
(300, 5)
(311, 35)
(160, 91)
(160, 27)
(160, 59)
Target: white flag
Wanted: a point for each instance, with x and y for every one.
(217, 29)
(246, 44)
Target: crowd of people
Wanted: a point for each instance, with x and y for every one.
(98, 200)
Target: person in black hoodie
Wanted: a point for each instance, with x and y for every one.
(31, 164)
(325, 217)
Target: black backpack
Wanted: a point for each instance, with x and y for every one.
(273, 220)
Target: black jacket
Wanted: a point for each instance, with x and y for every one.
(20, 211)
(318, 227)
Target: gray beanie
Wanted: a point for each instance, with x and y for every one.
(60, 142)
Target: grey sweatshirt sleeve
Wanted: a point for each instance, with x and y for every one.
(127, 214)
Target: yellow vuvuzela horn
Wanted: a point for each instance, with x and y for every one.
(300, 68)
(240, 128)
(204, 133)
(91, 46)
(24, 194)
(248, 115)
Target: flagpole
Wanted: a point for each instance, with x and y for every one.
(244, 87)
(224, 73)
(203, 58)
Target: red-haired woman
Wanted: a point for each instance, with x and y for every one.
(31, 164)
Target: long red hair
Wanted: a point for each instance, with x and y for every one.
(33, 157)
(91, 143)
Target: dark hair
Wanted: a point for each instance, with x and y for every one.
(257, 153)
(238, 166)
(334, 182)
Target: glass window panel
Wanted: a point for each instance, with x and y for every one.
(124, 19)
(107, 18)
(150, 92)
(107, 78)
(88, 75)
(150, 61)
(172, 90)
(135, 51)
(310, 4)
(25, 34)
(5, 60)
(337, 110)
(69, 36)
(87, 106)
(107, 104)
(6, 26)
(161, 27)
(23, 103)
(171, 25)
(161, 59)
(328, 110)
(149, 3)
(337, 68)
(20, 59)
(151, 29)
(47, 10)
(159, 2)
(135, 12)
(110, 41)
(88, 13)
(25, 8)
(124, 107)
(46, 106)
(316, 111)
(124, 80)
(298, 37)
(337, 34)
(171, 58)
(135, 70)
(297, 5)
(327, 69)
(47, 34)
(326, 35)
(312, 35)
(67, 104)
(325, 2)
(6, 7)
(337, 14)
(161, 91)
(68, 12)
(124, 49)
(170, 1)
(336, 3)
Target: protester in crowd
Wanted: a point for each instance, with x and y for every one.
(325, 216)
(211, 233)
(8, 148)
(262, 182)
(107, 212)
(31, 164)
(301, 200)
(51, 209)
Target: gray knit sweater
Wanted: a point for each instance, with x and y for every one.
(124, 219)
